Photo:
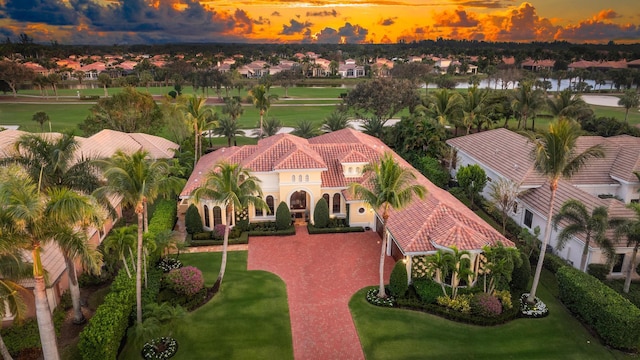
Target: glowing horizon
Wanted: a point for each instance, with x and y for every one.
(322, 21)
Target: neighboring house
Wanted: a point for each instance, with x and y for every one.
(299, 172)
(608, 181)
(349, 69)
(100, 145)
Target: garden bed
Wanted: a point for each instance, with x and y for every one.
(242, 239)
(333, 230)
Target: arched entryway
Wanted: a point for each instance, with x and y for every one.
(299, 205)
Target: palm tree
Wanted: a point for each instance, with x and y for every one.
(271, 127)
(565, 103)
(119, 240)
(391, 185)
(593, 226)
(41, 117)
(439, 267)
(233, 108)
(631, 229)
(503, 194)
(138, 181)
(33, 218)
(335, 121)
(555, 157)
(235, 188)
(105, 80)
(41, 82)
(199, 115)
(305, 129)
(460, 269)
(526, 102)
(445, 106)
(228, 128)
(54, 79)
(262, 101)
(11, 267)
(476, 108)
(629, 100)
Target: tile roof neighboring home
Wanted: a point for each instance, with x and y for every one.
(440, 220)
(106, 142)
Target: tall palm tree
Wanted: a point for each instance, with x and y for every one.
(262, 101)
(54, 79)
(630, 99)
(526, 102)
(476, 107)
(105, 80)
(390, 186)
(631, 229)
(228, 128)
(200, 116)
(137, 180)
(593, 226)
(555, 157)
(305, 129)
(33, 218)
(119, 240)
(565, 103)
(335, 121)
(233, 108)
(235, 188)
(445, 106)
(41, 117)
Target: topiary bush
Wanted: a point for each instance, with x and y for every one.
(187, 280)
(613, 317)
(598, 271)
(321, 214)
(283, 216)
(428, 290)
(520, 275)
(193, 220)
(398, 284)
(486, 305)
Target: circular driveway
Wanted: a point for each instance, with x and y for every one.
(322, 272)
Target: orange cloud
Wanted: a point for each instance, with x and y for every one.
(456, 18)
(607, 15)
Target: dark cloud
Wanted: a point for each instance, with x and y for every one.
(52, 12)
(262, 21)
(387, 21)
(457, 18)
(594, 30)
(487, 4)
(332, 13)
(275, 13)
(295, 27)
(350, 34)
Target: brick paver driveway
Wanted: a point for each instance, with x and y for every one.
(322, 272)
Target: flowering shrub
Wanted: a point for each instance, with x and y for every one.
(160, 348)
(536, 310)
(505, 298)
(372, 298)
(461, 303)
(486, 305)
(185, 281)
(167, 264)
(219, 229)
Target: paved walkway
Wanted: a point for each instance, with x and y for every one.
(322, 272)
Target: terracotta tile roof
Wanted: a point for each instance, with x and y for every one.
(106, 142)
(7, 139)
(438, 220)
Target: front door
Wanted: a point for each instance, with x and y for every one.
(298, 205)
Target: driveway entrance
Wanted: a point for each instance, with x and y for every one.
(322, 272)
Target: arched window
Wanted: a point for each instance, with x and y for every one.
(336, 203)
(258, 211)
(207, 220)
(299, 178)
(358, 170)
(350, 169)
(326, 198)
(306, 178)
(217, 215)
(270, 205)
(293, 178)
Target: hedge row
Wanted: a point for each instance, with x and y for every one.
(314, 230)
(447, 313)
(242, 239)
(101, 338)
(164, 217)
(19, 337)
(613, 317)
(289, 231)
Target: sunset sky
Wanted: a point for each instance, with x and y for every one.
(329, 21)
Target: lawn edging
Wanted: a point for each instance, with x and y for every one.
(333, 230)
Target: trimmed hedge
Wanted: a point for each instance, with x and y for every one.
(290, 231)
(101, 338)
(193, 220)
(554, 263)
(520, 275)
(314, 230)
(25, 336)
(427, 290)
(598, 271)
(613, 317)
(212, 235)
(283, 216)
(398, 282)
(163, 219)
(242, 239)
(321, 214)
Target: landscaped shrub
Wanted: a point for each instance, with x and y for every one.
(283, 216)
(398, 281)
(193, 220)
(598, 271)
(219, 229)
(554, 262)
(242, 219)
(243, 238)
(187, 280)
(613, 317)
(486, 305)
(505, 298)
(25, 336)
(321, 214)
(331, 230)
(337, 223)
(520, 275)
(100, 339)
(461, 303)
(167, 264)
(428, 290)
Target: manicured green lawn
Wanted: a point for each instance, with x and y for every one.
(403, 334)
(248, 319)
(63, 116)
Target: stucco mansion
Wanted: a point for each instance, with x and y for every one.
(299, 172)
